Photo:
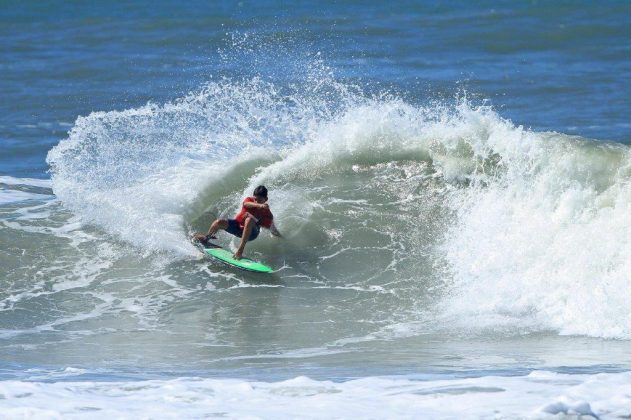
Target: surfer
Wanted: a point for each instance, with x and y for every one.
(247, 224)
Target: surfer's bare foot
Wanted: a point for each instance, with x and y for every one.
(200, 237)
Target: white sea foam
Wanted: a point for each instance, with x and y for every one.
(36, 182)
(540, 394)
(13, 196)
(17, 189)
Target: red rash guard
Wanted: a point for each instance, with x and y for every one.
(264, 216)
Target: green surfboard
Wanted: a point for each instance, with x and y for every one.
(244, 263)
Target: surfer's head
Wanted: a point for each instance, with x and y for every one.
(260, 194)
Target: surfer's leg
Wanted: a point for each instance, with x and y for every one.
(247, 230)
(216, 225)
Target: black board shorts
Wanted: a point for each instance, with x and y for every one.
(236, 230)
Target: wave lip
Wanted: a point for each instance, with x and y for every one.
(136, 172)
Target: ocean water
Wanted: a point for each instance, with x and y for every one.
(453, 181)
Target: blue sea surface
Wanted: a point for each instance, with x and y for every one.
(551, 66)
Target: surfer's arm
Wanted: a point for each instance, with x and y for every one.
(251, 216)
(255, 205)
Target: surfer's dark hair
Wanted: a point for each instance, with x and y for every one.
(260, 191)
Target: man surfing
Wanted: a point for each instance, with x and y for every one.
(254, 214)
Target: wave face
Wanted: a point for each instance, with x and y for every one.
(447, 213)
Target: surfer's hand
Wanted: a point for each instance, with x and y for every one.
(237, 255)
(274, 231)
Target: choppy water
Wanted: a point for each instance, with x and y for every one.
(452, 182)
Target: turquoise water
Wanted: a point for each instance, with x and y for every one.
(452, 181)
